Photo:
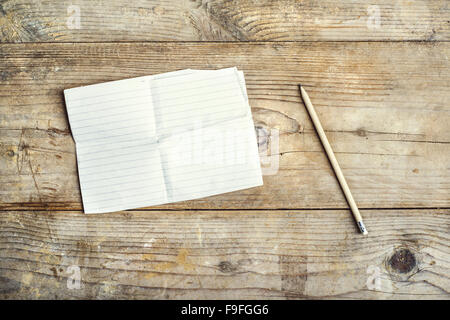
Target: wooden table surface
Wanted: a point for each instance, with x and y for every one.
(379, 78)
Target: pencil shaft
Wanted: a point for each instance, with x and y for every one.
(333, 160)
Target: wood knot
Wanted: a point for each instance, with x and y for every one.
(402, 261)
(10, 153)
(361, 132)
(227, 267)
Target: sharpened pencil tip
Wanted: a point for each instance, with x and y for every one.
(362, 228)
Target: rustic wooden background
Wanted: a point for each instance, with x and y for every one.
(382, 91)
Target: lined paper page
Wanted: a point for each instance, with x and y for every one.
(197, 100)
(119, 164)
(165, 138)
(114, 110)
(217, 151)
(210, 161)
(131, 180)
(213, 159)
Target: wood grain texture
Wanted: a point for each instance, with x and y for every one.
(227, 254)
(384, 107)
(248, 20)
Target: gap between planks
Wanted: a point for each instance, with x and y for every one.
(77, 210)
(222, 42)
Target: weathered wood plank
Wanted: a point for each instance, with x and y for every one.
(247, 20)
(386, 116)
(230, 254)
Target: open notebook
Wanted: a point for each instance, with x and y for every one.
(165, 138)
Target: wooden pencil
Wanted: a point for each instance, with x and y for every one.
(333, 161)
